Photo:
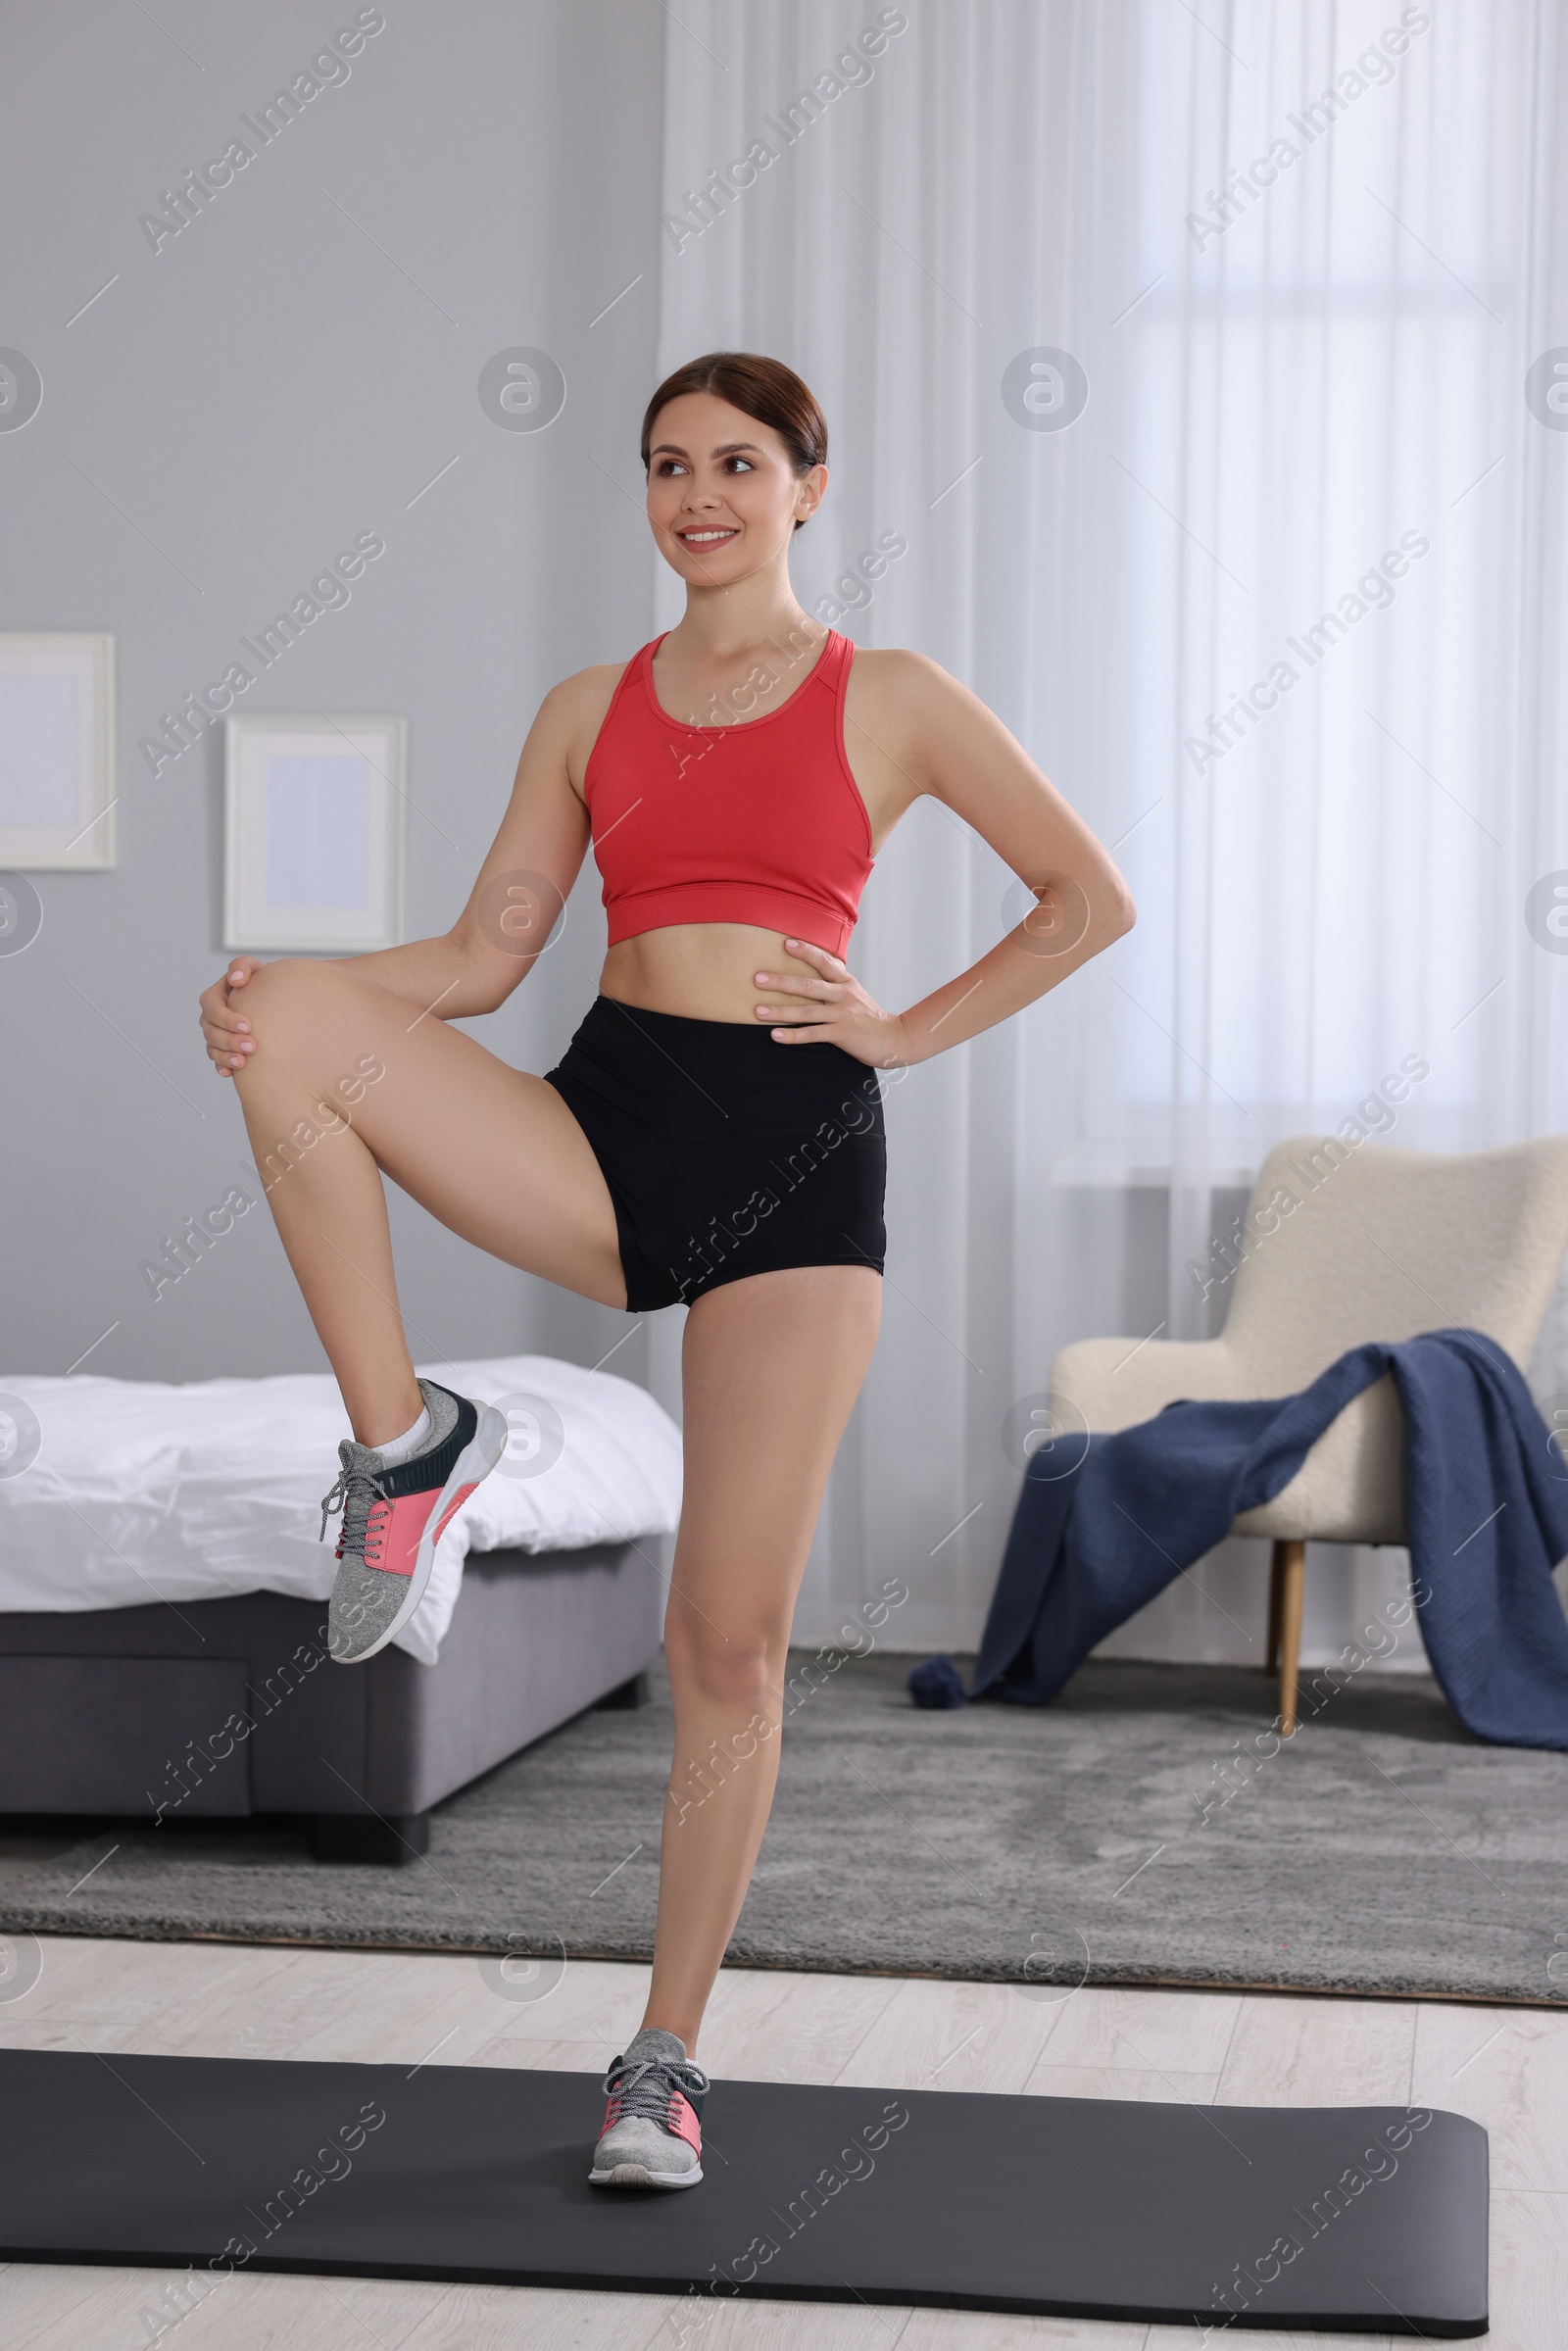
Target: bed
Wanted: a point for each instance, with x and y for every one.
(163, 1599)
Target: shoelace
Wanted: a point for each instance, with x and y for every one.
(356, 1495)
(643, 2086)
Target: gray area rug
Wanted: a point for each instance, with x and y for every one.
(1146, 1828)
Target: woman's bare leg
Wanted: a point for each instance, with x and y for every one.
(347, 1082)
(771, 1366)
(344, 1084)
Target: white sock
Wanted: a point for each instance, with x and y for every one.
(401, 1449)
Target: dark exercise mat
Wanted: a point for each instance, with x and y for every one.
(1371, 2218)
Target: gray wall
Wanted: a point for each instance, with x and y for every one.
(230, 412)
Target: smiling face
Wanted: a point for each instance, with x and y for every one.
(723, 497)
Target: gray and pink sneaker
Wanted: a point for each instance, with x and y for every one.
(651, 2134)
(394, 1518)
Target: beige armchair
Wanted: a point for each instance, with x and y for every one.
(1378, 1244)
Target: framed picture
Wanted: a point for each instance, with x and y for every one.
(313, 849)
(57, 750)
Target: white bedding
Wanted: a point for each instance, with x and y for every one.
(143, 1491)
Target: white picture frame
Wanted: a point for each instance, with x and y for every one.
(57, 750)
(312, 833)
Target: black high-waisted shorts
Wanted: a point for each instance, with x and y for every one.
(725, 1154)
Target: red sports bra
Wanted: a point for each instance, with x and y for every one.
(758, 822)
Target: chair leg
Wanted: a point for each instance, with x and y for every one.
(1293, 1589)
(1276, 1583)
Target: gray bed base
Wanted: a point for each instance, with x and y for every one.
(219, 1708)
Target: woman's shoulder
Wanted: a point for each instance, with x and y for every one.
(894, 679)
(596, 683)
(574, 710)
(922, 718)
(583, 697)
(896, 663)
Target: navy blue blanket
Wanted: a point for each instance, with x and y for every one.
(1486, 1515)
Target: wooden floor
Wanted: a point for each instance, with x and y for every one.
(1508, 2067)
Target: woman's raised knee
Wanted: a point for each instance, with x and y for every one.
(277, 994)
(310, 1018)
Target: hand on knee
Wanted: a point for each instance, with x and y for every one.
(277, 993)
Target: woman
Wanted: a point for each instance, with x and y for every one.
(713, 1133)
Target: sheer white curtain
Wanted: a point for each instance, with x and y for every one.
(1278, 606)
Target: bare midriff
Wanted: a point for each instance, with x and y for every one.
(700, 970)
